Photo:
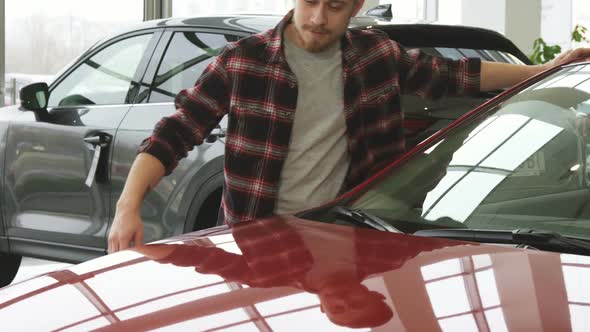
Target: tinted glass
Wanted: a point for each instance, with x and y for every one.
(104, 78)
(524, 164)
(458, 53)
(187, 55)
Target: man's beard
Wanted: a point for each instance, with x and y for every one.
(315, 45)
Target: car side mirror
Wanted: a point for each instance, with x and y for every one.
(381, 11)
(34, 97)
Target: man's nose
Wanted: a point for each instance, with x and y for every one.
(319, 16)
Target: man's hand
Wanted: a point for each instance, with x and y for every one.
(145, 173)
(498, 75)
(579, 54)
(127, 227)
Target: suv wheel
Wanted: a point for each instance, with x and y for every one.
(9, 265)
(205, 206)
(209, 211)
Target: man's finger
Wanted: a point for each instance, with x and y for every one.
(138, 239)
(123, 244)
(114, 246)
(581, 53)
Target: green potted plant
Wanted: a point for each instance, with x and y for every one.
(542, 52)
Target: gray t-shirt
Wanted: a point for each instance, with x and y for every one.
(318, 159)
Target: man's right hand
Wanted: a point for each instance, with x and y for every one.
(145, 173)
(127, 227)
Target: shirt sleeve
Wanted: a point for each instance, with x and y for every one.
(198, 110)
(435, 77)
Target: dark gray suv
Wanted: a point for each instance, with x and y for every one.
(62, 168)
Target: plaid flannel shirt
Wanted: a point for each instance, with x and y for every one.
(252, 83)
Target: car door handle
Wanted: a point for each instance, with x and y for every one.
(102, 140)
(215, 135)
(98, 142)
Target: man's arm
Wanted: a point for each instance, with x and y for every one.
(495, 75)
(198, 110)
(144, 175)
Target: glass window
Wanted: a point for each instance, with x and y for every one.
(451, 53)
(524, 164)
(44, 36)
(486, 55)
(469, 53)
(104, 78)
(193, 8)
(581, 13)
(407, 10)
(187, 55)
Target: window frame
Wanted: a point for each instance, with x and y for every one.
(138, 75)
(150, 76)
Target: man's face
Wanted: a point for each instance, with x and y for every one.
(318, 24)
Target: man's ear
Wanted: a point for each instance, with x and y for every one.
(357, 7)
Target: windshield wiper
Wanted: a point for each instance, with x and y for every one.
(359, 216)
(544, 240)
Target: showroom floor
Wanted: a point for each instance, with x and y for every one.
(31, 267)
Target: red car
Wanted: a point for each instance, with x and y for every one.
(289, 274)
(483, 227)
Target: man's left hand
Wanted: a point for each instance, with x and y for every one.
(578, 54)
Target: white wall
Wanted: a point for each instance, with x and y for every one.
(2, 48)
(519, 20)
(489, 14)
(523, 23)
(556, 22)
(368, 5)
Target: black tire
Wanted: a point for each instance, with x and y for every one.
(205, 206)
(9, 265)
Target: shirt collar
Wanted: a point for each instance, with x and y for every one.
(275, 49)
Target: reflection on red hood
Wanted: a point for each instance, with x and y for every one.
(289, 274)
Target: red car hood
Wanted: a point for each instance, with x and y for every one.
(289, 274)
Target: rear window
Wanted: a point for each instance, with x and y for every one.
(458, 53)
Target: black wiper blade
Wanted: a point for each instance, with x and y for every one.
(545, 240)
(363, 218)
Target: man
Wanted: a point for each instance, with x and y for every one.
(312, 108)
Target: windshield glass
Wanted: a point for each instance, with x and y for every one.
(522, 164)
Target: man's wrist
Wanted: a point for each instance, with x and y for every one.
(537, 69)
(128, 204)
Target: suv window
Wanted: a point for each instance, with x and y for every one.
(187, 55)
(105, 77)
(458, 53)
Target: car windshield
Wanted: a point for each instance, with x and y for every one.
(521, 164)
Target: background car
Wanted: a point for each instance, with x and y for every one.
(57, 204)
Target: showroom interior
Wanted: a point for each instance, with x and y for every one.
(19, 64)
(77, 25)
(42, 39)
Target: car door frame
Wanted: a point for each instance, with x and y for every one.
(65, 252)
(188, 185)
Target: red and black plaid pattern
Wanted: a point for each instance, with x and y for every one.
(274, 253)
(252, 83)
